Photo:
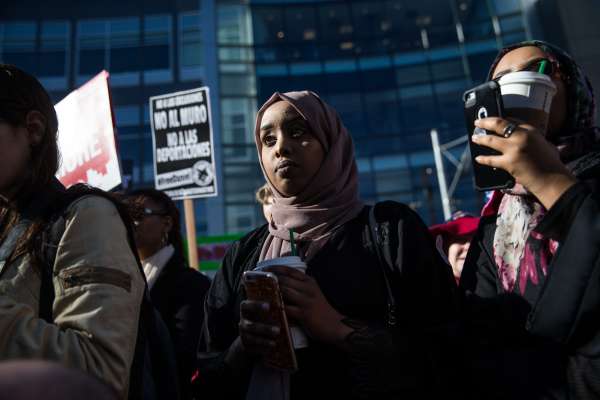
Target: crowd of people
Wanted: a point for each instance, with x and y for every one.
(95, 290)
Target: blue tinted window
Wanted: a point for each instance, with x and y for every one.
(157, 42)
(370, 17)
(506, 6)
(378, 79)
(300, 24)
(91, 61)
(448, 69)
(479, 64)
(340, 65)
(191, 40)
(234, 24)
(439, 36)
(268, 25)
(412, 74)
(18, 45)
(306, 68)
(92, 38)
(343, 82)
(124, 42)
(350, 108)
(383, 112)
(335, 22)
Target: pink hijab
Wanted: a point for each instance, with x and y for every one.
(330, 200)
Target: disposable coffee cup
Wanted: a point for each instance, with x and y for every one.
(299, 338)
(527, 96)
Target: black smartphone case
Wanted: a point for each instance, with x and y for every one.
(481, 102)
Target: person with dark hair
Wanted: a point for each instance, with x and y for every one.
(532, 274)
(176, 290)
(70, 286)
(370, 325)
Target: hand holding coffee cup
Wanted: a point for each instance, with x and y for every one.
(306, 304)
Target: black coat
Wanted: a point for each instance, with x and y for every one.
(545, 343)
(393, 362)
(178, 295)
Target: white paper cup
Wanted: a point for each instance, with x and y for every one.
(299, 338)
(527, 95)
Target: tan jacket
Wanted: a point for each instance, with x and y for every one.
(98, 289)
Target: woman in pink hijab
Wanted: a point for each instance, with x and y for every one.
(354, 349)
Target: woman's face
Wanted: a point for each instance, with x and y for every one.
(151, 229)
(516, 60)
(457, 249)
(291, 155)
(15, 153)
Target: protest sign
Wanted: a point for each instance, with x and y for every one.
(86, 136)
(184, 165)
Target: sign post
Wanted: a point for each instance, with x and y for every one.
(184, 164)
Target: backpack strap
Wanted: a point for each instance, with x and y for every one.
(10, 242)
(50, 240)
(377, 239)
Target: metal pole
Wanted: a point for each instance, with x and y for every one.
(439, 166)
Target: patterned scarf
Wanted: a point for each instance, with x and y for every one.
(520, 252)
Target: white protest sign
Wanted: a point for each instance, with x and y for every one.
(86, 136)
(184, 164)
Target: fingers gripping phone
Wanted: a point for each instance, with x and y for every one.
(263, 286)
(481, 102)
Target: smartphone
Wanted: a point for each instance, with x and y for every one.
(263, 286)
(481, 102)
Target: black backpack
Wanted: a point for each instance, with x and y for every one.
(154, 369)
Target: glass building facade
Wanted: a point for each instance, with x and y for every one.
(394, 70)
(149, 47)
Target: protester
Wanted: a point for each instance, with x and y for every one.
(27, 380)
(264, 196)
(532, 272)
(74, 298)
(452, 239)
(354, 350)
(177, 291)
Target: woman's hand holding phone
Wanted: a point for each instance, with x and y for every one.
(527, 155)
(257, 336)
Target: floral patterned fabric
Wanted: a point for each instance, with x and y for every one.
(523, 255)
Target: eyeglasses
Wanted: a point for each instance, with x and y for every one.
(147, 212)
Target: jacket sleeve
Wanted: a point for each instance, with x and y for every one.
(98, 293)
(400, 359)
(215, 378)
(187, 322)
(568, 308)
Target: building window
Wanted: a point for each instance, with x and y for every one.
(124, 51)
(190, 47)
(234, 25)
(127, 115)
(157, 50)
(17, 45)
(92, 48)
(54, 54)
